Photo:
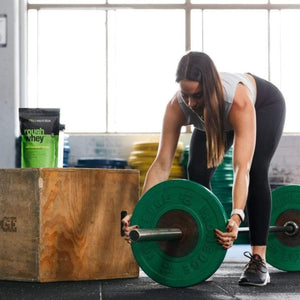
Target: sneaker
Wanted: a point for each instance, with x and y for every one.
(255, 272)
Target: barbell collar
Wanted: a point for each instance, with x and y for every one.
(294, 226)
(158, 234)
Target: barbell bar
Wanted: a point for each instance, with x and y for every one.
(158, 234)
(179, 247)
(167, 234)
(290, 228)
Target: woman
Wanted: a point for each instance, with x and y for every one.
(226, 109)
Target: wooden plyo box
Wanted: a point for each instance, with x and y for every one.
(64, 224)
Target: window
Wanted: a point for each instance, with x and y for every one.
(285, 61)
(229, 1)
(69, 69)
(143, 52)
(145, 1)
(110, 65)
(66, 1)
(285, 1)
(237, 44)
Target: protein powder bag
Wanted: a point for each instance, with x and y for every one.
(39, 137)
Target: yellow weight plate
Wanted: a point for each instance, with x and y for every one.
(152, 146)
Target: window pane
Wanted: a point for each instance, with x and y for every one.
(66, 1)
(289, 65)
(229, 1)
(72, 67)
(32, 58)
(145, 1)
(275, 48)
(237, 44)
(285, 1)
(144, 52)
(196, 30)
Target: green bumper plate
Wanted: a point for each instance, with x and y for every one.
(206, 255)
(283, 251)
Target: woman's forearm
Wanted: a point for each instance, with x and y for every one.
(240, 189)
(156, 174)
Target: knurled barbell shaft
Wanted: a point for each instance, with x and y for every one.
(166, 234)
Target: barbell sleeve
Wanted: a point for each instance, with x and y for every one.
(158, 234)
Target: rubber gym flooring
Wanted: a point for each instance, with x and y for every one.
(222, 285)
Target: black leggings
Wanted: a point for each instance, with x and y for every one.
(270, 116)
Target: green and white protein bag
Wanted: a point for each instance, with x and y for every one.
(39, 137)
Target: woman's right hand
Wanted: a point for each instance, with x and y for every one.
(127, 228)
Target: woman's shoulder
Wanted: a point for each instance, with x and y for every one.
(232, 79)
(174, 108)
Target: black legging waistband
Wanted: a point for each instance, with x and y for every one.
(266, 93)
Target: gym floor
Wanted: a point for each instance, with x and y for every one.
(222, 285)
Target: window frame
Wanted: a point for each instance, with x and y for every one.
(188, 6)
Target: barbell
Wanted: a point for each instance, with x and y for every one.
(167, 234)
(175, 244)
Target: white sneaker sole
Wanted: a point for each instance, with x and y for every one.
(268, 280)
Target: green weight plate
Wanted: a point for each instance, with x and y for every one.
(226, 167)
(222, 195)
(204, 255)
(283, 251)
(225, 200)
(223, 177)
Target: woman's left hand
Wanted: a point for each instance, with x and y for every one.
(226, 239)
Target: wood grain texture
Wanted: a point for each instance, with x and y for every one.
(19, 220)
(64, 224)
(80, 224)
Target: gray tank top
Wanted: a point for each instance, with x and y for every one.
(229, 82)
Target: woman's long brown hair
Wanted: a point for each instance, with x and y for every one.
(198, 66)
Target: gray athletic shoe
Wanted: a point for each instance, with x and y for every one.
(255, 272)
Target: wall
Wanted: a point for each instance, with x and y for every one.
(9, 85)
(285, 166)
(109, 146)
